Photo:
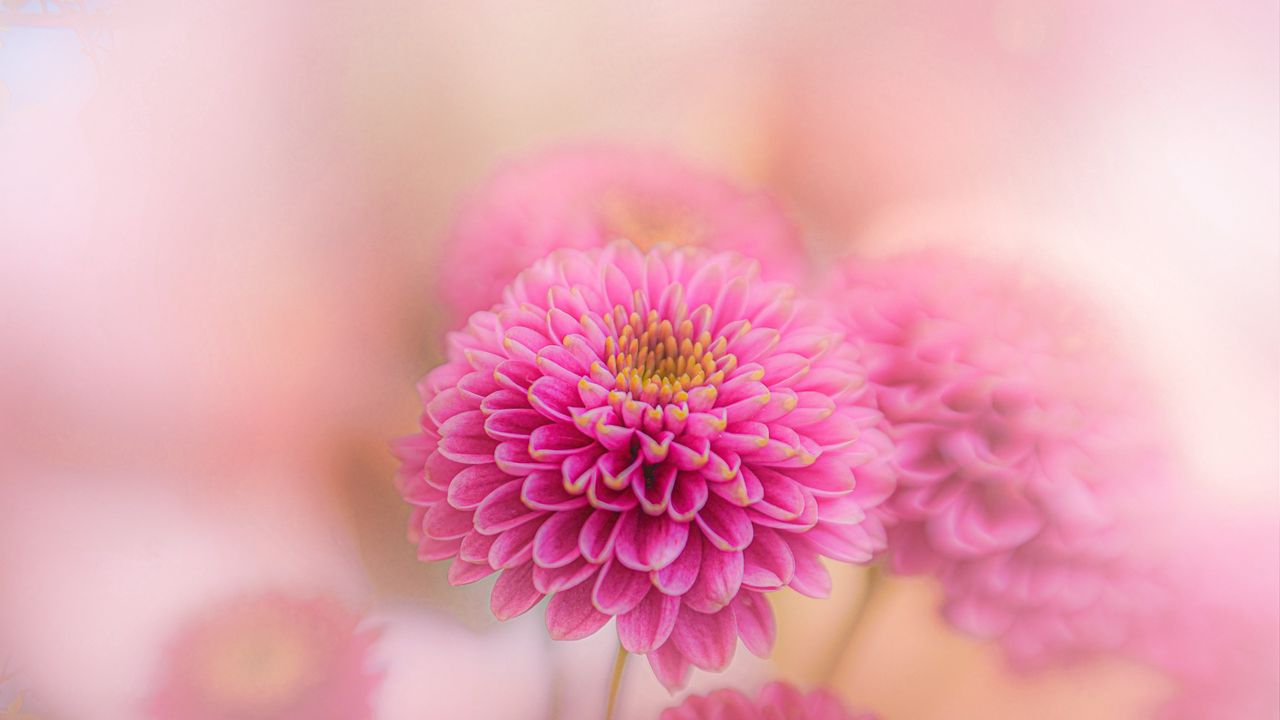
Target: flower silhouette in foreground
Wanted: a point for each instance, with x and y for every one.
(777, 701)
(269, 656)
(658, 436)
(1027, 452)
(586, 198)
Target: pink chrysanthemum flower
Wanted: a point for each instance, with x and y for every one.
(1024, 449)
(269, 656)
(777, 701)
(586, 198)
(658, 436)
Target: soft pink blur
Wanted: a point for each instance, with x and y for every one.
(219, 237)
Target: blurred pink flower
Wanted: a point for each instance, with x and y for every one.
(586, 198)
(270, 656)
(1216, 633)
(659, 436)
(1025, 450)
(777, 701)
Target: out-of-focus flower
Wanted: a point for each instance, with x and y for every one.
(588, 197)
(777, 701)
(659, 436)
(270, 656)
(1216, 633)
(1026, 450)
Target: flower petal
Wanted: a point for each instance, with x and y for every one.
(649, 624)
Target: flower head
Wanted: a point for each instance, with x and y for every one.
(269, 656)
(659, 436)
(777, 701)
(587, 198)
(1025, 449)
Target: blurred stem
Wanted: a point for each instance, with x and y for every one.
(849, 633)
(615, 682)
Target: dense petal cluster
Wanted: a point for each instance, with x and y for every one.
(659, 436)
(586, 198)
(270, 656)
(1025, 449)
(777, 701)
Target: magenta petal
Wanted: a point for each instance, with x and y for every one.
(475, 547)
(688, 496)
(555, 441)
(648, 543)
(549, 580)
(444, 522)
(755, 622)
(670, 666)
(431, 549)
(811, 577)
(544, 490)
(515, 546)
(840, 542)
(470, 487)
(552, 398)
(654, 487)
(676, 578)
(514, 424)
(514, 593)
(726, 526)
(571, 616)
(598, 534)
(462, 572)
(619, 588)
(556, 543)
(719, 580)
(503, 510)
(649, 624)
(708, 641)
(767, 562)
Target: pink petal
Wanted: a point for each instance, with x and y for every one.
(444, 522)
(811, 577)
(767, 562)
(470, 487)
(670, 666)
(549, 580)
(679, 576)
(513, 424)
(544, 490)
(556, 441)
(503, 510)
(556, 543)
(462, 572)
(571, 616)
(515, 546)
(654, 488)
(708, 641)
(552, 398)
(755, 622)
(649, 624)
(598, 535)
(719, 579)
(846, 543)
(514, 593)
(688, 496)
(619, 588)
(725, 526)
(648, 543)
